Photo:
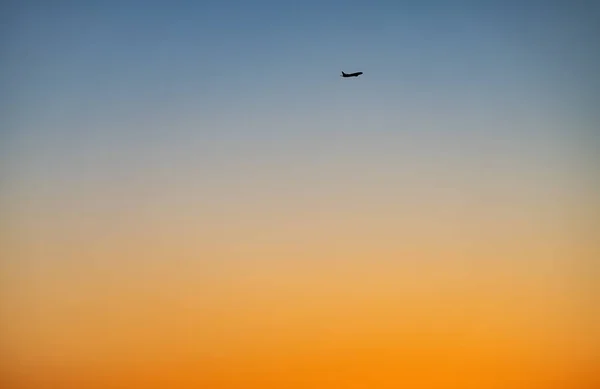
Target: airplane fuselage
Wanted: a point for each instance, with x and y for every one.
(345, 75)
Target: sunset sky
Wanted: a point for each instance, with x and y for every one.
(192, 197)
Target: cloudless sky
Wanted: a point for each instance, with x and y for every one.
(220, 132)
(76, 73)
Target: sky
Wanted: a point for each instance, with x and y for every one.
(192, 196)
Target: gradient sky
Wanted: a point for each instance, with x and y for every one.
(191, 195)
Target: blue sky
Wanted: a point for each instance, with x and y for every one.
(165, 80)
(210, 51)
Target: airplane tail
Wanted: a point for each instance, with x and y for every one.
(343, 74)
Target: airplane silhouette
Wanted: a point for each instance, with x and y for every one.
(345, 75)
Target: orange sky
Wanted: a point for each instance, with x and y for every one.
(343, 304)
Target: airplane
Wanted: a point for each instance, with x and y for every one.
(345, 75)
